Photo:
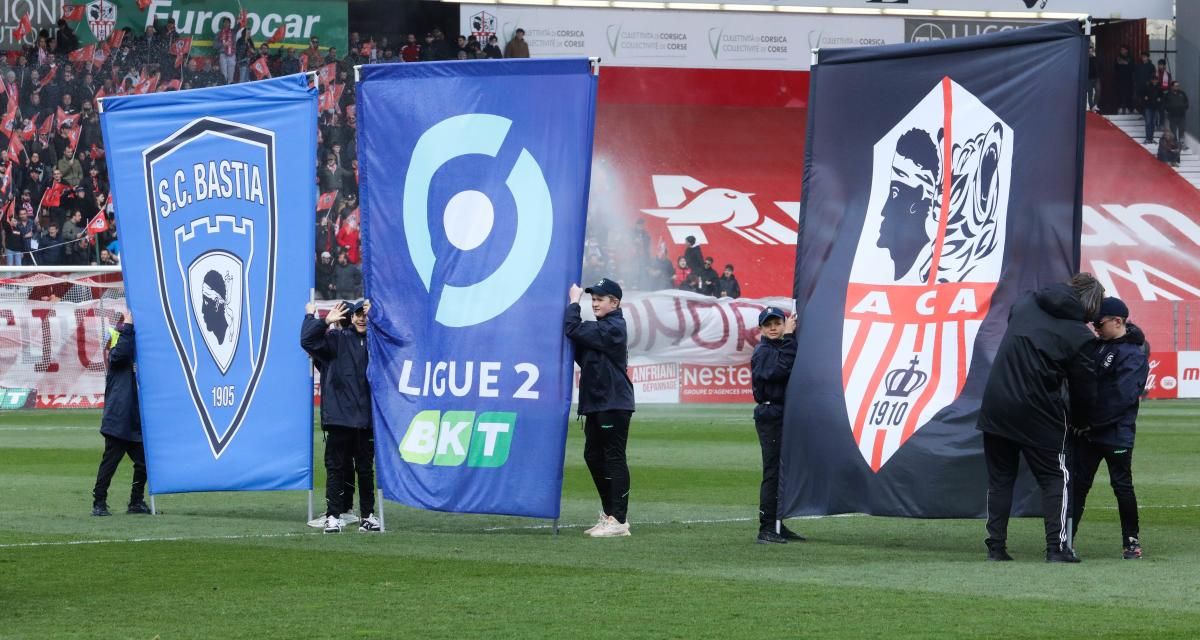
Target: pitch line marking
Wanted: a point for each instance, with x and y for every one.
(252, 536)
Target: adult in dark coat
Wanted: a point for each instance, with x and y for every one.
(1042, 382)
(1124, 73)
(340, 354)
(121, 424)
(693, 256)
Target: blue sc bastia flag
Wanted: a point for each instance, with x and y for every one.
(474, 180)
(215, 200)
(942, 180)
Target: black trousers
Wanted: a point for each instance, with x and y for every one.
(1120, 475)
(769, 435)
(605, 436)
(347, 451)
(1051, 470)
(114, 450)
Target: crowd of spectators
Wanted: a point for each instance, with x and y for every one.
(626, 255)
(54, 191)
(55, 205)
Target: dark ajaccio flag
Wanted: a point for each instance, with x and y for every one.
(942, 179)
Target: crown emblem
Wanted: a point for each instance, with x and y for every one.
(901, 382)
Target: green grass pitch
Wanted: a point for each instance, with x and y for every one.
(243, 565)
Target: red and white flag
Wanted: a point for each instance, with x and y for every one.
(24, 28)
(143, 4)
(331, 99)
(117, 37)
(73, 12)
(73, 138)
(16, 149)
(327, 73)
(260, 68)
(83, 54)
(277, 36)
(325, 202)
(68, 119)
(98, 224)
(146, 84)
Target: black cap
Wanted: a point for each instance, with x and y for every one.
(770, 312)
(1113, 307)
(605, 287)
(352, 307)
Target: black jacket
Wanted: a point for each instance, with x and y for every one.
(770, 368)
(1121, 370)
(1046, 345)
(602, 353)
(122, 418)
(728, 287)
(1175, 103)
(341, 357)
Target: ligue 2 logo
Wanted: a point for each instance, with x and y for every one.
(469, 217)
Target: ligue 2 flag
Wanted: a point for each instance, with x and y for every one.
(937, 189)
(474, 200)
(218, 186)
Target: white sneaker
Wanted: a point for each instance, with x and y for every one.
(370, 524)
(348, 518)
(599, 523)
(611, 529)
(317, 523)
(333, 525)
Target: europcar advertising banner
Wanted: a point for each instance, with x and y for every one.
(474, 180)
(935, 194)
(201, 19)
(217, 196)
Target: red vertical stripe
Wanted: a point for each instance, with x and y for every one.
(880, 368)
(947, 177)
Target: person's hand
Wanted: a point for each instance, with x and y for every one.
(310, 309)
(336, 314)
(575, 294)
(789, 325)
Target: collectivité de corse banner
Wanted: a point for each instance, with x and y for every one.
(201, 19)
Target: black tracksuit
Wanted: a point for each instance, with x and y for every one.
(341, 357)
(1121, 379)
(770, 367)
(606, 402)
(121, 424)
(1044, 358)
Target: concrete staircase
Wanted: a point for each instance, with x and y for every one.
(1189, 160)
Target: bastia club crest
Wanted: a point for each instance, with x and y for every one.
(211, 191)
(929, 256)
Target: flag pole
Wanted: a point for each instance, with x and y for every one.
(312, 297)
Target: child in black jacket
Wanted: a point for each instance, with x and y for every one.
(1121, 363)
(605, 400)
(770, 368)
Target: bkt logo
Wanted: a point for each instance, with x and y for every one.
(449, 439)
(688, 205)
(469, 217)
(212, 190)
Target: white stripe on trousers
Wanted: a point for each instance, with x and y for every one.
(1062, 532)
